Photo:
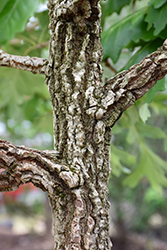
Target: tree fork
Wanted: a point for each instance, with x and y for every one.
(76, 173)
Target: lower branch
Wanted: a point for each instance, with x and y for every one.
(42, 168)
(26, 63)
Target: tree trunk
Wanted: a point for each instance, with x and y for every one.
(80, 214)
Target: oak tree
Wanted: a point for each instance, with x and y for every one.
(75, 174)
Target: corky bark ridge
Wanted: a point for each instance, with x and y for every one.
(83, 142)
(42, 168)
(123, 89)
(35, 65)
(76, 174)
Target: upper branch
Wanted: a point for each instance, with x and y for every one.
(32, 64)
(42, 168)
(123, 89)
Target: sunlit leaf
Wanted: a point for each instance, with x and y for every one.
(144, 112)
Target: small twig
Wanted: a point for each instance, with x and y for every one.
(32, 26)
(37, 46)
(26, 63)
(107, 64)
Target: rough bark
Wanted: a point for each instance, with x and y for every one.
(76, 174)
(81, 218)
(43, 168)
(26, 63)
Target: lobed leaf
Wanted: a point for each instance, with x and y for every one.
(144, 112)
(157, 17)
(150, 131)
(151, 166)
(130, 28)
(112, 6)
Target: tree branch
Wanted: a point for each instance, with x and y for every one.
(26, 63)
(43, 168)
(131, 85)
(108, 102)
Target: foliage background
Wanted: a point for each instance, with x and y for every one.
(131, 29)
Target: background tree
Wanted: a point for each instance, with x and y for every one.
(75, 174)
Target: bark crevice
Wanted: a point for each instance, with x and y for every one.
(42, 168)
(76, 173)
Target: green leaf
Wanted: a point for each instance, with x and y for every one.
(157, 17)
(30, 108)
(114, 6)
(165, 145)
(121, 33)
(158, 3)
(160, 97)
(25, 96)
(159, 108)
(16, 86)
(150, 131)
(132, 136)
(13, 17)
(133, 179)
(111, 6)
(159, 86)
(120, 157)
(2, 4)
(144, 112)
(117, 129)
(145, 49)
(133, 114)
(151, 166)
(124, 156)
(45, 123)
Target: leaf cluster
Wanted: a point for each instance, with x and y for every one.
(23, 96)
